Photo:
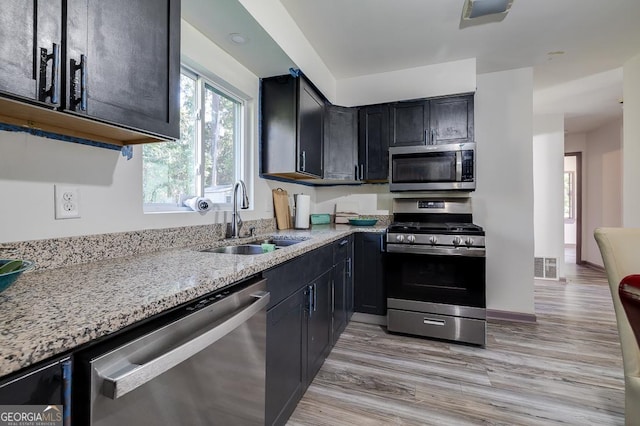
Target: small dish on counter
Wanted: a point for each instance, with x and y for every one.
(363, 221)
(11, 269)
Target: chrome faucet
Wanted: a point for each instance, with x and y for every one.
(233, 231)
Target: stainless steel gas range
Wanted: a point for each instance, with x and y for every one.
(435, 265)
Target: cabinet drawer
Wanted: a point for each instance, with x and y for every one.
(341, 250)
(285, 279)
(438, 326)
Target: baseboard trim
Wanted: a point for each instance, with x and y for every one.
(592, 266)
(369, 318)
(493, 314)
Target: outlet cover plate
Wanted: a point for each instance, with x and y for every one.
(67, 202)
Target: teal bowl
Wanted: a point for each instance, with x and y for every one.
(9, 278)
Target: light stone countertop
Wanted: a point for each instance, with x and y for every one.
(52, 311)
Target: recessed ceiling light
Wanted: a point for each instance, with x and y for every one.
(238, 38)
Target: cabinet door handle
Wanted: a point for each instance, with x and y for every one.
(426, 137)
(303, 160)
(310, 295)
(433, 136)
(54, 90)
(357, 174)
(82, 67)
(315, 297)
(361, 171)
(344, 243)
(349, 270)
(66, 392)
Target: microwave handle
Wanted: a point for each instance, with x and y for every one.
(458, 166)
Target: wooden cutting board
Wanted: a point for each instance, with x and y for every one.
(281, 208)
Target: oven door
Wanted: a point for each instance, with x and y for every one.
(440, 279)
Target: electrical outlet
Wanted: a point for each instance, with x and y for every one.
(67, 202)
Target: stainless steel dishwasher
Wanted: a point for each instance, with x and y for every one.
(201, 364)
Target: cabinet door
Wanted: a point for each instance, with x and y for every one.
(123, 62)
(369, 287)
(373, 143)
(310, 129)
(29, 64)
(41, 386)
(339, 300)
(286, 357)
(452, 119)
(340, 143)
(409, 123)
(318, 324)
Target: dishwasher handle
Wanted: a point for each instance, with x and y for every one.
(137, 375)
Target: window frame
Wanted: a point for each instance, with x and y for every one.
(241, 132)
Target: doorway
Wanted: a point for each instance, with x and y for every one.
(573, 208)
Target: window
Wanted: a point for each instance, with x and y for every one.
(569, 197)
(206, 160)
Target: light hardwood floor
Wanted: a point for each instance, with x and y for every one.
(564, 369)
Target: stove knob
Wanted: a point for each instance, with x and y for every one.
(400, 238)
(469, 242)
(457, 241)
(433, 240)
(411, 239)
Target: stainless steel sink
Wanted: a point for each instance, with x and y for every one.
(241, 249)
(280, 242)
(253, 248)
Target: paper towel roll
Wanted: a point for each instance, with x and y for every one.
(303, 209)
(198, 204)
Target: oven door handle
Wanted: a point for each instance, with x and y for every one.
(445, 251)
(136, 375)
(430, 321)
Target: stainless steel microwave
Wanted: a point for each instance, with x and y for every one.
(433, 167)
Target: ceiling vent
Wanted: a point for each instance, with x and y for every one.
(478, 8)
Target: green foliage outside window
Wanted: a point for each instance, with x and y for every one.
(171, 171)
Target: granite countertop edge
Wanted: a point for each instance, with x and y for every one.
(50, 312)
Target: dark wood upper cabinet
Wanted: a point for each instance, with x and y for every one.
(409, 123)
(373, 143)
(115, 63)
(432, 121)
(292, 121)
(30, 56)
(452, 119)
(340, 143)
(123, 62)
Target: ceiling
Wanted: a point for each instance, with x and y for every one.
(576, 47)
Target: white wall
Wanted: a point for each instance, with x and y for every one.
(548, 167)
(631, 142)
(110, 186)
(602, 185)
(503, 201)
(420, 82)
(570, 228)
(276, 21)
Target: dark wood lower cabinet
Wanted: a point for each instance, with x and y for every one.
(286, 356)
(318, 323)
(369, 289)
(310, 306)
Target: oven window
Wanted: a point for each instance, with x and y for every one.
(432, 167)
(453, 280)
